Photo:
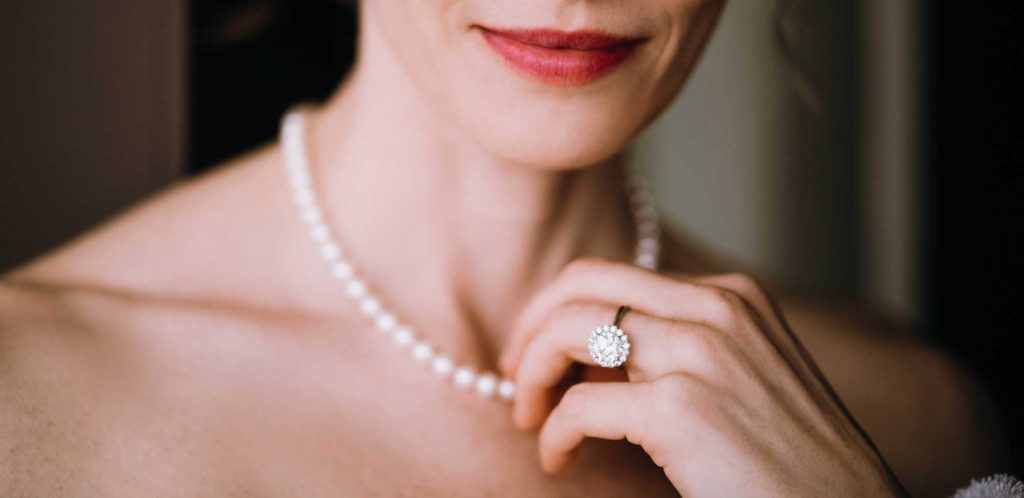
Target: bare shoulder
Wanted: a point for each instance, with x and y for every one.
(132, 357)
(68, 391)
(173, 240)
(94, 332)
(43, 381)
(104, 393)
(93, 335)
(928, 415)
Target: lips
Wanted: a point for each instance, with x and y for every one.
(560, 58)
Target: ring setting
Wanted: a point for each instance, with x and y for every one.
(608, 344)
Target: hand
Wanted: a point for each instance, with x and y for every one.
(720, 393)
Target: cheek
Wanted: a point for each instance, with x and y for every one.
(415, 31)
(688, 25)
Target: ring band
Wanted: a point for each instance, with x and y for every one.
(608, 344)
(619, 314)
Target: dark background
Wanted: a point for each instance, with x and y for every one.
(246, 74)
(975, 181)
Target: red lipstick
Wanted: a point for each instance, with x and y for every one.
(560, 58)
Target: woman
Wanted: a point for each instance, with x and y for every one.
(466, 182)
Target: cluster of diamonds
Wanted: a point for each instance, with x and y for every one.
(608, 346)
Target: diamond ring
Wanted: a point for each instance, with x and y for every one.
(608, 344)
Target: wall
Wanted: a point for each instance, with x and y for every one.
(800, 167)
(93, 95)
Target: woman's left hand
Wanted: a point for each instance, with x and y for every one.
(720, 393)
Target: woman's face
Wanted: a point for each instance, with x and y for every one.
(547, 100)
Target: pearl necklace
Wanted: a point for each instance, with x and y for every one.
(486, 384)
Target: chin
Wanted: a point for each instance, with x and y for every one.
(542, 144)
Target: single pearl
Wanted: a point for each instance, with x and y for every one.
(311, 214)
(386, 322)
(641, 198)
(293, 151)
(422, 351)
(402, 336)
(506, 389)
(341, 270)
(648, 229)
(330, 251)
(442, 365)
(369, 306)
(648, 244)
(646, 212)
(319, 233)
(356, 289)
(304, 196)
(634, 181)
(299, 179)
(646, 261)
(297, 175)
(464, 377)
(485, 385)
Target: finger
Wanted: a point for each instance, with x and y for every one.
(596, 279)
(657, 346)
(604, 410)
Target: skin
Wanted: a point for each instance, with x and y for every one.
(196, 346)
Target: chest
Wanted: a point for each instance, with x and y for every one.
(418, 437)
(287, 418)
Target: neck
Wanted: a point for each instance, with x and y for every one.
(454, 240)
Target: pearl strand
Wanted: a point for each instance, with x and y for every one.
(485, 383)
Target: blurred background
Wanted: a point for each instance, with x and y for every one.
(866, 149)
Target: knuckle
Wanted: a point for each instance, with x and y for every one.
(576, 393)
(709, 353)
(704, 348)
(723, 306)
(703, 338)
(570, 311)
(726, 349)
(676, 392)
(733, 299)
(574, 400)
(744, 284)
(686, 399)
(582, 265)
